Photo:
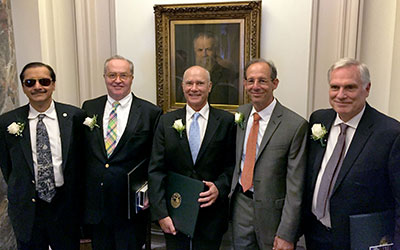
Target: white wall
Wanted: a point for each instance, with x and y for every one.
(285, 42)
(378, 37)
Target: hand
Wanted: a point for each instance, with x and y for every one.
(167, 225)
(210, 196)
(281, 244)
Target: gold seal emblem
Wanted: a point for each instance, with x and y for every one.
(176, 200)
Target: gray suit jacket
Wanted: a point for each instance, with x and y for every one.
(278, 174)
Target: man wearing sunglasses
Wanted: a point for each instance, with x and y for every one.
(40, 158)
(120, 141)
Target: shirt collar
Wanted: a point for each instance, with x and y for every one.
(353, 122)
(123, 102)
(266, 112)
(203, 112)
(50, 112)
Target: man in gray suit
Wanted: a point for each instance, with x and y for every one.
(268, 179)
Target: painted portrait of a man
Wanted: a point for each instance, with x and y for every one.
(214, 47)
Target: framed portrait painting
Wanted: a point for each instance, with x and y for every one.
(221, 37)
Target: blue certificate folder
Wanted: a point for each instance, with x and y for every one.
(181, 194)
(368, 229)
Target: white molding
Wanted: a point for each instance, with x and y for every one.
(335, 33)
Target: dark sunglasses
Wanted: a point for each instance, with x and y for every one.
(44, 82)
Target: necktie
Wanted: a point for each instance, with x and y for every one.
(250, 159)
(194, 137)
(111, 136)
(45, 185)
(331, 172)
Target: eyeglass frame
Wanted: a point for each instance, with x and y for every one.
(120, 75)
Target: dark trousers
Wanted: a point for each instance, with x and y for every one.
(126, 235)
(318, 237)
(183, 242)
(49, 232)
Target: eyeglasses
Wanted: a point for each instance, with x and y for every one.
(122, 76)
(31, 82)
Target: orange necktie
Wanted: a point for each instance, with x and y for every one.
(251, 148)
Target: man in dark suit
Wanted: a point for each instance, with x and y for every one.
(118, 139)
(363, 146)
(267, 184)
(211, 163)
(40, 157)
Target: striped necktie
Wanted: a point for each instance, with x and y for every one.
(111, 136)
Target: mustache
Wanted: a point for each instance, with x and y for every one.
(38, 91)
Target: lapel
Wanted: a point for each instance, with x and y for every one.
(241, 133)
(363, 132)
(320, 151)
(131, 126)
(99, 134)
(65, 124)
(25, 141)
(212, 125)
(273, 124)
(184, 141)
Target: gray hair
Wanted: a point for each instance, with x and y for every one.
(119, 58)
(347, 62)
(274, 72)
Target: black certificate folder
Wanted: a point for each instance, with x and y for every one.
(368, 231)
(182, 193)
(137, 188)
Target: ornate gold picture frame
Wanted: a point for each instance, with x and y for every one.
(222, 37)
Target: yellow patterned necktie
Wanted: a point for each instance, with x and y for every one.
(111, 136)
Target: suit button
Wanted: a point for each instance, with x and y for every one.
(33, 200)
(33, 181)
(107, 165)
(101, 184)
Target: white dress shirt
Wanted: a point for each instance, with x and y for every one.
(330, 146)
(202, 120)
(265, 115)
(53, 129)
(123, 111)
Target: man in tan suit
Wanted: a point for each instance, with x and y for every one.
(268, 179)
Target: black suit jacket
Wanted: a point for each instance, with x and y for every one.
(106, 178)
(17, 165)
(369, 179)
(215, 163)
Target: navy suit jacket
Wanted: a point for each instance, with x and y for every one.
(215, 163)
(369, 179)
(17, 166)
(106, 178)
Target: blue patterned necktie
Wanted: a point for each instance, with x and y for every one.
(194, 137)
(45, 185)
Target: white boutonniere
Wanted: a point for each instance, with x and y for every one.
(239, 119)
(318, 132)
(178, 126)
(16, 128)
(91, 122)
